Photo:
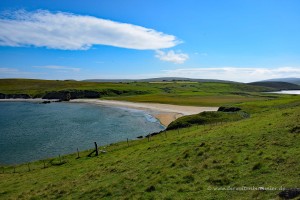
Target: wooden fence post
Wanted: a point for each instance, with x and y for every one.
(96, 149)
(78, 153)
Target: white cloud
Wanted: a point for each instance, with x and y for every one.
(16, 73)
(171, 56)
(239, 74)
(56, 67)
(8, 71)
(68, 31)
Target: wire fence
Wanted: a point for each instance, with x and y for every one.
(63, 159)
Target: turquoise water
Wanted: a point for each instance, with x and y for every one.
(32, 131)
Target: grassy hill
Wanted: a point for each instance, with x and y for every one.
(277, 85)
(287, 80)
(161, 79)
(199, 162)
(181, 93)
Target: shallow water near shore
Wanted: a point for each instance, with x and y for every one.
(31, 131)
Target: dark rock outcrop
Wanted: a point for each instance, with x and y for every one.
(45, 102)
(73, 94)
(289, 193)
(14, 96)
(61, 95)
(66, 95)
(229, 109)
(295, 129)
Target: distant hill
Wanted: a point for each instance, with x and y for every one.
(287, 80)
(161, 79)
(277, 85)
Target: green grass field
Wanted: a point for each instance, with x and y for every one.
(180, 93)
(199, 162)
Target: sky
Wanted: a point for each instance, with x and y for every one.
(237, 40)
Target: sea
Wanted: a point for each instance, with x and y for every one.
(32, 131)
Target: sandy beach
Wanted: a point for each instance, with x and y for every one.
(165, 113)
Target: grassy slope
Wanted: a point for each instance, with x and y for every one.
(277, 85)
(207, 118)
(201, 94)
(40, 87)
(205, 94)
(261, 151)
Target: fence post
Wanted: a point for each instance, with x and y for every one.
(28, 167)
(14, 169)
(44, 164)
(96, 149)
(78, 153)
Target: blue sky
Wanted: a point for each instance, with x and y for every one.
(240, 40)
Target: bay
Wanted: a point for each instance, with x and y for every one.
(31, 131)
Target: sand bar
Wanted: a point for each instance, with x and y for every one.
(165, 113)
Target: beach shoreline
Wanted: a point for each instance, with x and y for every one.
(165, 113)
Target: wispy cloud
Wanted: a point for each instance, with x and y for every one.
(16, 73)
(172, 56)
(57, 67)
(234, 73)
(201, 54)
(68, 31)
(9, 71)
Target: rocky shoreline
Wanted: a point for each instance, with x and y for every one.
(66, 95)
